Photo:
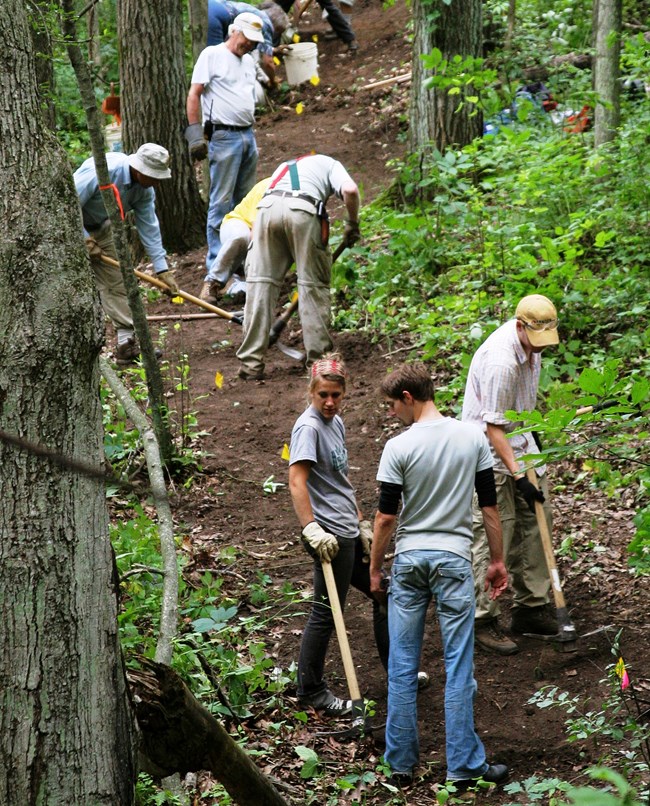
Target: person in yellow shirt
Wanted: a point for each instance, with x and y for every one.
(236, 234)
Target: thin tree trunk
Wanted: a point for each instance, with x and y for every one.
(198, 26)
(154, 379)
(607, 71)
(153, 94)
(66, 735)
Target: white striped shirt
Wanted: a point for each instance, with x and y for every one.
(502, 378)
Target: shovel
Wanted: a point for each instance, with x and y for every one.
(360, 723)
(566, 636)
(237, 318)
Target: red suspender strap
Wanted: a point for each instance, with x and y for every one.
(118, 200)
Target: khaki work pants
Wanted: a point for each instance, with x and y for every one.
(522, 549)
(110, 284)
(286, 230)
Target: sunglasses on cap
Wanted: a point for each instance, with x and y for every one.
(538, 325)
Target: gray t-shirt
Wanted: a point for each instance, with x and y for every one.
(322, 442)
(435, 462)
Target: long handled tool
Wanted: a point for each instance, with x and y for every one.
(237, 318)
(359, 722)
(566, 635)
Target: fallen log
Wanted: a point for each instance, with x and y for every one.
(177, 734)
(386, 81)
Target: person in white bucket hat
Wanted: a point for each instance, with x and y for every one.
(134, 178)
(220, 114)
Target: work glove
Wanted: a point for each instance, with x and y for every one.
(323, 543)
(196, 142)
(169, 279)
(351, 233)
(530, 493)
(365, 536)
(94, 249)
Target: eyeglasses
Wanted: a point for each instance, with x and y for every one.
(540, 324)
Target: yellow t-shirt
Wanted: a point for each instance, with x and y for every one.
(246, 210)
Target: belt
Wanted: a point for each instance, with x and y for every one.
(223, 127)
(293, 194)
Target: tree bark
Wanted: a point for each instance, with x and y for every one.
(198, 26)
(607, 114)
(455, 29)
(153, 94)
(65, 722)
(42, 45)
(179, 735)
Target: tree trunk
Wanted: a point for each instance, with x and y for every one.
(153, 94)
(607, 71)
(456, 30)
(42, 45)
(198, 26)
(65, 722)
(179, 735)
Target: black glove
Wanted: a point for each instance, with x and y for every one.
(530, 493)
(196, 142)
(351, 233)
(538, 441)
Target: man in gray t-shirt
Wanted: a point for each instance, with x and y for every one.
(433, 469)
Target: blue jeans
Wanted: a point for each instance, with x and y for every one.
(416, 578)
(233, 165)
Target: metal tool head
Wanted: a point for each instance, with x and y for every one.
(290, 352)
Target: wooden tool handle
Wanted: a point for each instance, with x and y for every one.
(341, 634)
(547, 544)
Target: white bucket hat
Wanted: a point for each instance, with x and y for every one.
(249, 24)
(151, 160)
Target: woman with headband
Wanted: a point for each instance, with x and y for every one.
(333, 529)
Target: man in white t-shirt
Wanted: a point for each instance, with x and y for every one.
(222, 94)
(292, 225)
(432, 469)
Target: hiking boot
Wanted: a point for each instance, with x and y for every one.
(495, 774)
(401, 779)
(326, 703)
(250, 375)
(489, 636)
(353, 47)
(535, 620)
(210, 291)
(127, 353)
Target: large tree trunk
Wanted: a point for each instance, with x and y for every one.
(153, 95)
(42, 45)
(65, 722)
(607, 71)
(456, 30)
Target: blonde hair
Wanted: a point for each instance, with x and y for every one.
(328, 368)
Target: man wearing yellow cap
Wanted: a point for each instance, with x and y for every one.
(504, 376)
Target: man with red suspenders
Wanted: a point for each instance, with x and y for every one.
(134, 178)
(292, 225)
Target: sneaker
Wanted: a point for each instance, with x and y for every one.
(327, 704)
(488, 635)
(210, 291)
(536, 620)
(249, 375)
(401, 779)
(423, 680)
(127, 353)
(495, 774)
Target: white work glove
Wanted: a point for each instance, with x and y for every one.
(169, 279)
(196, 142)
(365, 536)
(323, 543)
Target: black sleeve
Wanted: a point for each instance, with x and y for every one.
(485, 488)
(389, 497)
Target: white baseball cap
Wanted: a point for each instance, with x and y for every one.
(151, 160)
(249, 24)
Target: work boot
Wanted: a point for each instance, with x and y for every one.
(127, 353)
(209, 291)
(251, 375)
(495, 774)
(353, 47)
(402, 780)
(536, 620)
(327, 703)
(489, 636)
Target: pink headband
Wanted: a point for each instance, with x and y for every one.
(327, 366)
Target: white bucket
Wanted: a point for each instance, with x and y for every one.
(301, 62)
(113, 134)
